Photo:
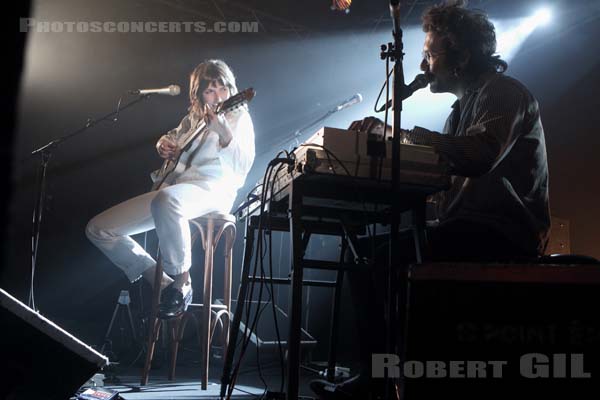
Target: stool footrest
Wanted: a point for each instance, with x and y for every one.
(212, 306)
(287, 281)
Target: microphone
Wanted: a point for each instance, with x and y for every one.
(357, 98)
(421, 81)
(171, 90)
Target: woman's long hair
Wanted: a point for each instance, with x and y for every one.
(202, 76)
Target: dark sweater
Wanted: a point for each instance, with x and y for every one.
(494, 144)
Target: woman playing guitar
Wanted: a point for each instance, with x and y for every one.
(211, 152)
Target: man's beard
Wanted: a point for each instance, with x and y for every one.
(437, 85)
(434, 85)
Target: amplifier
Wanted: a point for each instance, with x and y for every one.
(494, 331)
(40, 360)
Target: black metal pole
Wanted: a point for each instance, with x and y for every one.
(397, 271)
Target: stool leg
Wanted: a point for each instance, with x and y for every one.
(229, 239)
(174, 327)
(177, 329)
(153, 322)
(206, 311)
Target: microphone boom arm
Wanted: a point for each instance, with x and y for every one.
(46, 152)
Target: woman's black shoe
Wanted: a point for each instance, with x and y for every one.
(173, 303)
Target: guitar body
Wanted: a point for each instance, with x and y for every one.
(170, 169)
(167, 173)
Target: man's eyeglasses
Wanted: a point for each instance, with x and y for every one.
(429, 55)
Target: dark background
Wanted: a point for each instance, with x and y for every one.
(304, 60)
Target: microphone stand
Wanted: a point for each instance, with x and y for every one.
(328, 114)
(45, 153)
(314, 122)
(397, 280)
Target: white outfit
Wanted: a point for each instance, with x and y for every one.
(210, 181)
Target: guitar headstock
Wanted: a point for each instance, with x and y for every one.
(236, 101)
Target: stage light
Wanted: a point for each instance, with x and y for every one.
(511, 34)
(542, 16)
(341, 5)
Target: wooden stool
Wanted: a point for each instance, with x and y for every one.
(211, 228)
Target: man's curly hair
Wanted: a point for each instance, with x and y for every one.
(465, 29)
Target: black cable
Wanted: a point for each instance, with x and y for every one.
(278, 335)
(261, 234)
(247, 331)
(385, 85)
(388, 73)
(254, 327)
(386, 115)
(282, 163)
(329, 153)
(250, 327)
(268, 184)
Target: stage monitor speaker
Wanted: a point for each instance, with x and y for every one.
(541, 322)
(38, 359)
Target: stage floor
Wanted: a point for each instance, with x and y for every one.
(178, 389)
(250, 384)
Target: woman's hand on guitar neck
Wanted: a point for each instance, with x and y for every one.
(167, 148)
(218, 124)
